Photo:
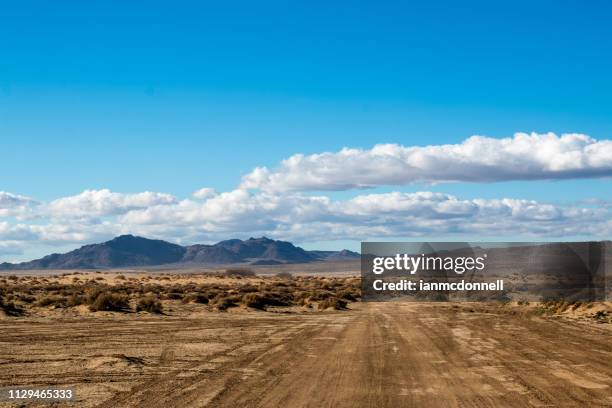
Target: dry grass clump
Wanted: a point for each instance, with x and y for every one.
(110, 302)
(223, 303)
(254, 300)
(332, 303)
(582, 308)
(262, 300)
(349, 295)
(52, 300)
(10, 308)
(240, 272)
(551, 307)
(201, 298)
(25, 298)
(149, 304)
(196, 298)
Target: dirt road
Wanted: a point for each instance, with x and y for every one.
(380, 355)
(430, 355)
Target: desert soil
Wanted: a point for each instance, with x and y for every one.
(376, 355)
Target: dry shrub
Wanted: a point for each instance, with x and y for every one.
(261, 300)
(201, 298)
(247, 289)
(318, 295)
(110, 302)
(601, 316)
(225, 302)
(149, 304)
(51, 300)
(347, 295)
(92, 293)
(75, 300)
(332, 303)
(152, 288)
(195, 298)
(10, 308)
(239, 272)
(25, 298)
(284, 275)
(279, 297)
(174, 296)
(254, 300)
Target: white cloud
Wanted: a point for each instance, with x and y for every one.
(95, 203)
(204, 193)
(9, 200)
(300, 217)
(14, 205)
(279, 209)
(477, 159)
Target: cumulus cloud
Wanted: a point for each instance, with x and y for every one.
(274, 202)
(9, 200)
(478, 159)
(14, 205)
(300, 217)
(204, 193)
(95, 203)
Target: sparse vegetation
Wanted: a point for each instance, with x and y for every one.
(52, 300)
(111, 302)
(174, 296)
(149, 304)
(601, 316)
(103, 292)
(225, 302)
(239, 272)
(201, 298)
(254, 300)
(332, 303)
(10, 308)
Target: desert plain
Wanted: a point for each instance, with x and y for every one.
(230, 338)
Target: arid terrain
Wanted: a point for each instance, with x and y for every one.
(280, 341)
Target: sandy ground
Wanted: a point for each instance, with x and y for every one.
(376, 355)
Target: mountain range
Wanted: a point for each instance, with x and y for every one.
(133, 251)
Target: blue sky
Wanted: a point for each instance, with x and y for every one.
(174, 96)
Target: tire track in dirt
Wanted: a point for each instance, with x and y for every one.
(430, 355)
(376, 355)
(200, 382)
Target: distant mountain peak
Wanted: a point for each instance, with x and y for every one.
(134, 251)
